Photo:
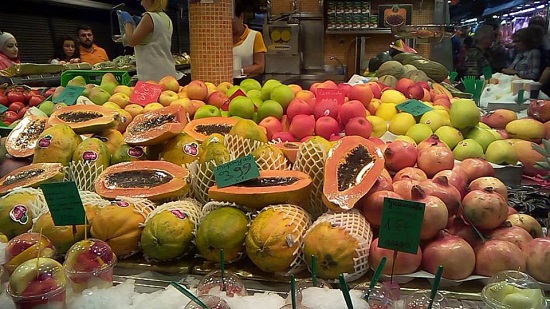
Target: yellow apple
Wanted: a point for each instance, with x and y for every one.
(223, 86)
(134, 109)
(111, 105)
(152, 106)
(124, 89)
(167, 96)
(169, 83)
(120, 98)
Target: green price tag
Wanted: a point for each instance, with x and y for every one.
(69, 95)
(64, 203)
(236, 171)
(414, 107)
(401, 224)
(521, 94)
(3, 108)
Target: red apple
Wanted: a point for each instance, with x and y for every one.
(313, 87)
(328, 84)
(378, 142)
(16, 106)
(415, 91)
(403, 84)
(284, 137)
(376, 89)
(21, 112)
(10, 116)
(326, 127)
(334, 138)
(351, 109)
(15, 96)
(49, 92)
(362, 93)
(359, 126)
(298, 107)
(4, 100)
(272, 125)
(217, 98)
(424, 84)
(326, 108)
(36, 99)
(302, 126)
(345, 87)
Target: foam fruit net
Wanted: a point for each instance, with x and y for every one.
(190, 207)
(202, 178)
(311, 159)
(37, 205)
(83, 174)
(239, 146)
(359, 228)
(267, 162)
(141, 206)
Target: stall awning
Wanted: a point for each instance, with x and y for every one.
(502, 7)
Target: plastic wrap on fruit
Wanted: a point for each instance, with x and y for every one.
(89, 263)
(27, 246)
(38, 283)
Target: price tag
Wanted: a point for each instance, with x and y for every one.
(414, 107)
(145, 93)
(237, 93)
(323, 94)
(69, 95)
(236, 171)
(64, 203)
(3, 109)
(401, 224)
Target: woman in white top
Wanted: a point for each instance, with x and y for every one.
(151, 39)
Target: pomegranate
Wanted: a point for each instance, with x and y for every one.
(457, 178)
(511, 211)
(513, 234)
(435, 159)
(476, 167)
(452, 252)
(440, 187)
(485, 209)
(433, 140)
(405, 263)
(403, 187)
(381, 184)
(489, 181)
(539, 110)
(537, 258)
(435, 213)
(526, 222)
(386, 175)
(372, 205)
(410, 172)
(400, 154)
(494, 256)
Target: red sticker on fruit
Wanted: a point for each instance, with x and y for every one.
(122, 203)
(19, 214)
(238, 93)
(135, 152)
(179, 214)
(191, 149)
(145, 93)
(326, 94)
(45, 141)
(89, 156)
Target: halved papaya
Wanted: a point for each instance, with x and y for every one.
(290, 150)
(22, 139)
(154, 180)
(199, 129)
(85, 118)
(156, 126)
(31, 176)
(272, 187)
(351, 169)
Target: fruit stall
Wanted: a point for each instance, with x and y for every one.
(391, 192)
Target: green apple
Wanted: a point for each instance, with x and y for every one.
(206, 111)
(270, 108)
(419, 132)
(250, 84)
(268, 86)
(254, 94)
(225, 114)
(242, 107)
(47, 107)
(282, 94)
(232, 90)
(257, 101)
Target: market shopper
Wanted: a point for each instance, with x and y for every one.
(526, 64)
(9, 52)
(66, 50)
(248, 45)
(151, 37)
(477, 57)
(89, 51)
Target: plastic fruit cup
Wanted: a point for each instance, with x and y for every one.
(421, 300)
(302, 285)
(213, 302)
(213, 280)
(51, 300)
(379, 298)
(101, 278)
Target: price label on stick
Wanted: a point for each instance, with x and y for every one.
(145, 93)
(414, 107)
(69, 95)
(236, 171)
(401, 224)
(325, 94)
(64, 203)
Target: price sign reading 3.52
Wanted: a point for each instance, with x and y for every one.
(236, 171)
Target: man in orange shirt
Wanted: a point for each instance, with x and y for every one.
(90, 52)
(248, 45)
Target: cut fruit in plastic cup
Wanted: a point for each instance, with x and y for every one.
(421, 300)
(304, 284)
(213, 281)
(213, 302)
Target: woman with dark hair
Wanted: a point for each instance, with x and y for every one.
(248, 45)
(66, 50)
(526, 64)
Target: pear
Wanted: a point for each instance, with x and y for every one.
(467, 148)
(78, 81)
(109, 83)
(419, 132)
(482, 136)
(87, 89)
(433, 119)
(464, 114)
(449, 135)
(99, 95)
(501, 152)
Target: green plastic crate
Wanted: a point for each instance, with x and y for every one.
(94, 76)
